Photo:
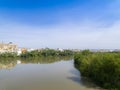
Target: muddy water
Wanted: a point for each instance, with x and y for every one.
(57, 75)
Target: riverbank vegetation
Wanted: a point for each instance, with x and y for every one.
(38, 53)
(8, 55)
(47, 53)
(101, 67)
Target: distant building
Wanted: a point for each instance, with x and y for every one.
(10, 47)
(76, 50)
(60, 49)
(23, 50)
(19, 51)
(30, 49)
(13, 48)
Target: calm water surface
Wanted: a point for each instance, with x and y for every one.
(42, 75)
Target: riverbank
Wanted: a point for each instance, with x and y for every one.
(101, 67)
(38, 53)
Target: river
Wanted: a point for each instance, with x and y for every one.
(44, 74)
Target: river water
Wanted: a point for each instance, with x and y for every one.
(45, 74)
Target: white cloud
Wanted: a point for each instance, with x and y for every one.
(64, 35)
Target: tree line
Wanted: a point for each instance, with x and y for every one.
(38, 53)
(47, 52)
(101, 67)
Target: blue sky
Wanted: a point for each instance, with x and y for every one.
(82, 24)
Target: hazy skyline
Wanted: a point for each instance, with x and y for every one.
(82, 24)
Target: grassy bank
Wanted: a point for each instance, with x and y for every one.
(102, 68)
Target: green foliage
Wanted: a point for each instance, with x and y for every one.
(47, 52)
(38, 53)
(86, 52)
(103, 68)
(8, 55)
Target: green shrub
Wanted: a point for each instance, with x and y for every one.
(102, 68)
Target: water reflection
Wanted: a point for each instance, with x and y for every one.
(11, 63)
(7, 64)
(75, 76)
(82, 80)
(45, 73)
